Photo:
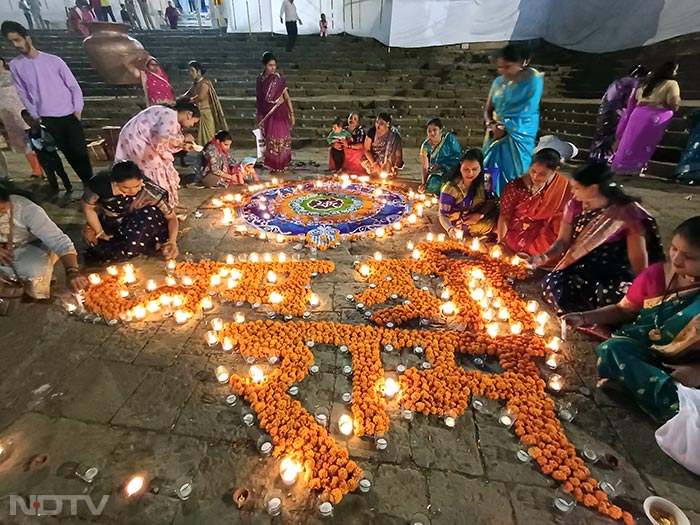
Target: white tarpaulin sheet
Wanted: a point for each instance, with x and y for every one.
(584, 25)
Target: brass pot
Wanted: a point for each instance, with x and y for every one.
(114, 53)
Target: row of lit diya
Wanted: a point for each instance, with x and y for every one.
(430, 390)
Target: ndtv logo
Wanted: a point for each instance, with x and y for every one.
(36, 506)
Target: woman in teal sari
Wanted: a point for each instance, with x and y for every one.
(439, 153)
(659, 342)
(512, 116)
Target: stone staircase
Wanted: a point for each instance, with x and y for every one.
(328, 78)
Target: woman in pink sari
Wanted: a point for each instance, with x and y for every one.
(644, 123)
(152, 137)
(275, 115)
(79, 16)
(156, 85)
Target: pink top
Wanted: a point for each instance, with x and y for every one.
(647, 285)
(574, 208)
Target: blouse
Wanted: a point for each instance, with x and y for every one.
(358, 136)
(99, 190)
(31, 224)
(647, 285)
(661, 95)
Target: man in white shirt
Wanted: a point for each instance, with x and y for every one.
(289, 17)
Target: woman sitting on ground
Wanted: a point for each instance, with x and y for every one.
(606, 238)
(532, 206)
(218, 166)
(660, 313)
(30, 244)
(467, 203)
(439, 153)
(383, 148)
(355, 146)
(127, 215)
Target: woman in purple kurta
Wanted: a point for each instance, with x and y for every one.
(611, 109)
(275, 115)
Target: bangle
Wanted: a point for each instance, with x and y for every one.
(72, 269)
(99, 234)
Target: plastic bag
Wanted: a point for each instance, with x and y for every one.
(260, 142)
(679, 437)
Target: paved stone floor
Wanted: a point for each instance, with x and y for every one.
(142, 398)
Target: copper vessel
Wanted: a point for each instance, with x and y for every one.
(114, 53)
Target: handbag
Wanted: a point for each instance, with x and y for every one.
(679, 437)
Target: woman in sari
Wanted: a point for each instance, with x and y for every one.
(512, 116)
(606, 238)
(11, 116)
(156, 85)
(688, 171)
(275, 115)
(133, 217)
(532, 206)
(354, 146)
(152, 137)
(660, 315)
(613, 105)
(218, 167)
(467, 203)
(439, 153)
(203, 94)
(648, 114)
(383, 148)
(79, 16)
(30, 245)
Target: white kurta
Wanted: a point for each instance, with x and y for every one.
(37, 243)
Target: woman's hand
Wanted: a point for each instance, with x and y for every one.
(574, 319)
(452, 232)
(535, 261)
(421, 188)
(76, 282)
(170, 250)
(292, 120)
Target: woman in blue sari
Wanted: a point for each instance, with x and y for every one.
(439, 153)
(512, 116)
(659, 342)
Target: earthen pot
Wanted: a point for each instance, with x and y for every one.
(113, 52)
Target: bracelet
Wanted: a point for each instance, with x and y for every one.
(99, 234)
(72, 269)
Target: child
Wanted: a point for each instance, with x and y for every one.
(323, 25)
(44, 145)
(337, 138)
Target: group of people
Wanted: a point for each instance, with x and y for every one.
(83, 12)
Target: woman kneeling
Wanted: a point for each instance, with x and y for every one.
(133, 218)
(467, 203)
(606, 238)
(662, 312)
(532, 206)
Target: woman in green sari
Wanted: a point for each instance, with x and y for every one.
(439, 153)
(659, 342)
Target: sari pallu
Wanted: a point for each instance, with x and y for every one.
(640, 131)
(445, 155)
(632, 358)
(596, 270)
(517, 107)
(533, 221)
(614, 103)
(269, 92)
